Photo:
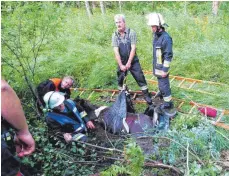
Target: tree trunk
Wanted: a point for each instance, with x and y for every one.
(185, 7)
(93, 5)
(153, 4)
(215, 7)
(102, 7)
(88, 8)
(78, 4)
(120, 6)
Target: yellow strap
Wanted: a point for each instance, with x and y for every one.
(83, 114)
(78, 136)
(8, 138)
(158, 55)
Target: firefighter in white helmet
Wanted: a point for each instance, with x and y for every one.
(162, 57)
(64, 116)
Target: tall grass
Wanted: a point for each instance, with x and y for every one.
(84, 49)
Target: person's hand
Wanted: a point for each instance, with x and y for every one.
(128, 65)
(24, 143)
(164, 74)
(123, 68)
(67, 137)
(90, 125)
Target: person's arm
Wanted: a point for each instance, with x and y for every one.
(13, 113)
(90, 125)
(118, 59)
(88, 122)
(67, 94)
(168, 55)
(132, 54)
(117, 54)
(133, 39)
(47, 87)
(43, 88)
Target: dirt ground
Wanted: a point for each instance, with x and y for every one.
(224, 160)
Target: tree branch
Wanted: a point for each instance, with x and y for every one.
(103, 148)
(161, 165)
(24, 73)
(10, 64)
(4, 42)
(38, 49)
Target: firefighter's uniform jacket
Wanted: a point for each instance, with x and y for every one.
(70, 120)
(162, 57)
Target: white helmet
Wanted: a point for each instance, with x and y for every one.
(155, 19)
(53, 99)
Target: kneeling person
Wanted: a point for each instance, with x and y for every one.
(55, 84)
(63, 116)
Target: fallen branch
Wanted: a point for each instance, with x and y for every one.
(152, 164)
(160, 165)
(103, 148)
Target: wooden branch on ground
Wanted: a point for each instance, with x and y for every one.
(103, 148)
(161, 165)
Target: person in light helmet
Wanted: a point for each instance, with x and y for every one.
(64, 116)
(162, 57)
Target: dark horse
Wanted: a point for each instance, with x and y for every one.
(119, 118)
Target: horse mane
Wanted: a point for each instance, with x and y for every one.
(85, 105)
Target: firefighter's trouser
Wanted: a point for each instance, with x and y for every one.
(164, 87)
(136, 72)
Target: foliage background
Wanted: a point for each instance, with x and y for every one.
(41, 40)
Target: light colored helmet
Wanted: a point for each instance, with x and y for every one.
(53, 99)
(155, 19)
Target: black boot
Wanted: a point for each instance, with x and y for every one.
(147, 96)
(167, 105)
(168, 109)
(158, 95)
(149, 110)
